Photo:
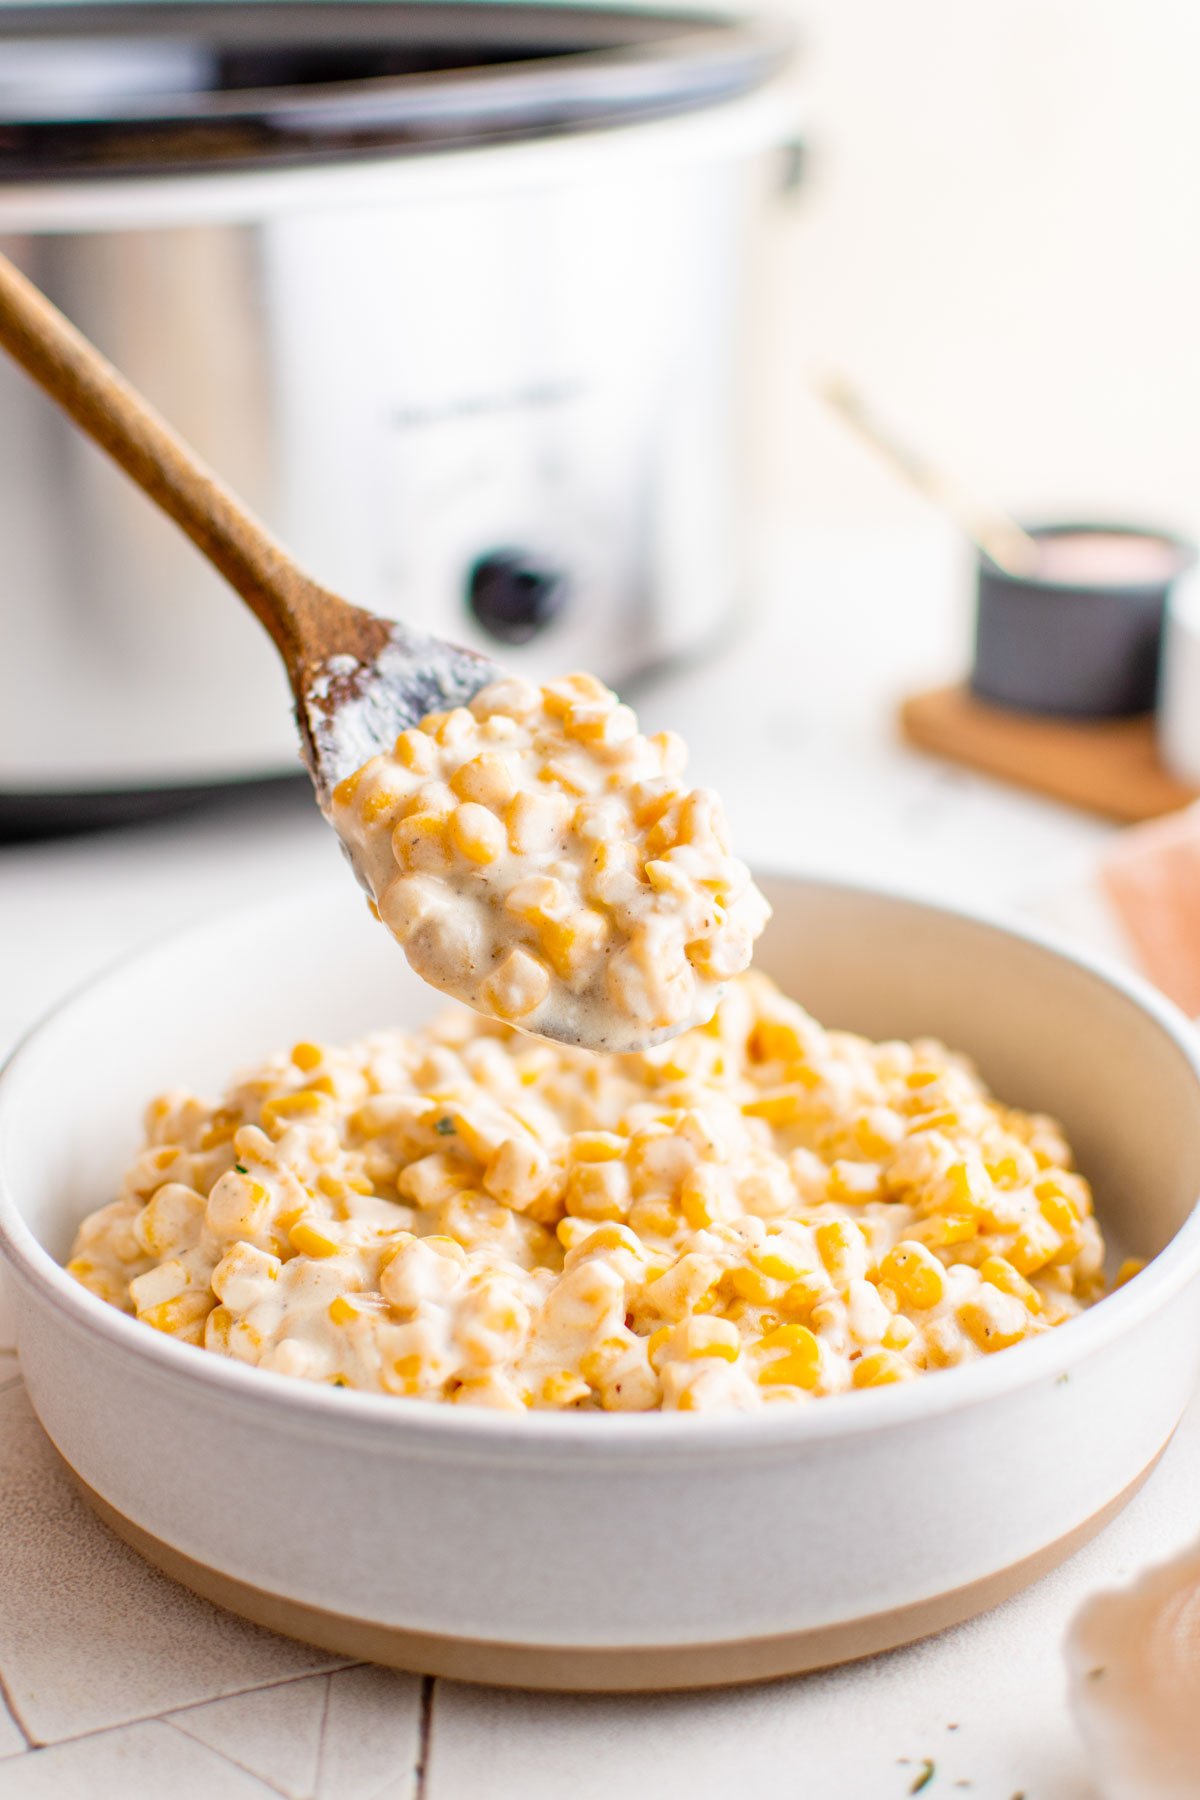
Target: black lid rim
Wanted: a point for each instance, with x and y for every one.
(615, 67)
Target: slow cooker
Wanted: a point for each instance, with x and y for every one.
(452, 293)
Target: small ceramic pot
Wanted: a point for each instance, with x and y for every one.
(1179, 683)
(1080, 635)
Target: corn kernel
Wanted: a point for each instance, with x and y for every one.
(177, 1315)
(899, 1333)
(377, 805)
(942, 1228)
(308, 1240)
(751, 1285)
(534, 822)
(414, 750)
(517, 987)
(702, 1198)
(519, 1174)
(563, 1388)
(217, 1133)
(613, 1236)
(1002, 1275)
(842, 1249)
(217, 1329)
(879, 1367)
(571, 1233)
(800, 1298)
(596, 1146)
(1036, 1244)
(992, 1328)
(655, 1217)
(914, 1274)
(676, 1293)
(455, 727)
(477, 833)
(419, 842)
(712, 1337)
(596, 1365)
(878, 1132)
(598, 1191)
(487, 780)
(569, 944)
(346, 789)
(967, 1187)
(772, 1040)
(536, 898)
(289, 1108)
(782, 1107)
(558, 697)
(800, 1362)
(1057, 1212)
(780, 1260)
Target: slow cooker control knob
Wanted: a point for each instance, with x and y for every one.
(513, 595)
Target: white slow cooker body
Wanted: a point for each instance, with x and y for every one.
(402, 367)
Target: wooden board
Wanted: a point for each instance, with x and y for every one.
(1106, 766)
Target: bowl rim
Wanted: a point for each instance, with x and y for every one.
(414, 1423)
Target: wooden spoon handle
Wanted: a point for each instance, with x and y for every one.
(294, 609)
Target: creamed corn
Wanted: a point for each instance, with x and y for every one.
(536, 856)
(760, 1212)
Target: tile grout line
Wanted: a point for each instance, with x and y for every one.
(6, 1697)
(221, 1755)
(255, 1687)
(162, 1717)
(425, 1740)
(319, 1771)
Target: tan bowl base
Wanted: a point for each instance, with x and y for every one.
(634, 1670)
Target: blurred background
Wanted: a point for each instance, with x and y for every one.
(995, 236)
(980, 214)
(515, 329)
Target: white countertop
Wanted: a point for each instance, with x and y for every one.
(118, 1683)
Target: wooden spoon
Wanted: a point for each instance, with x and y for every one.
(358, 680)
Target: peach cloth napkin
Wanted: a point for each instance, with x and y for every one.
(1151, 878)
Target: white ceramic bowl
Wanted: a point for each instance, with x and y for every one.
(617, 1550)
